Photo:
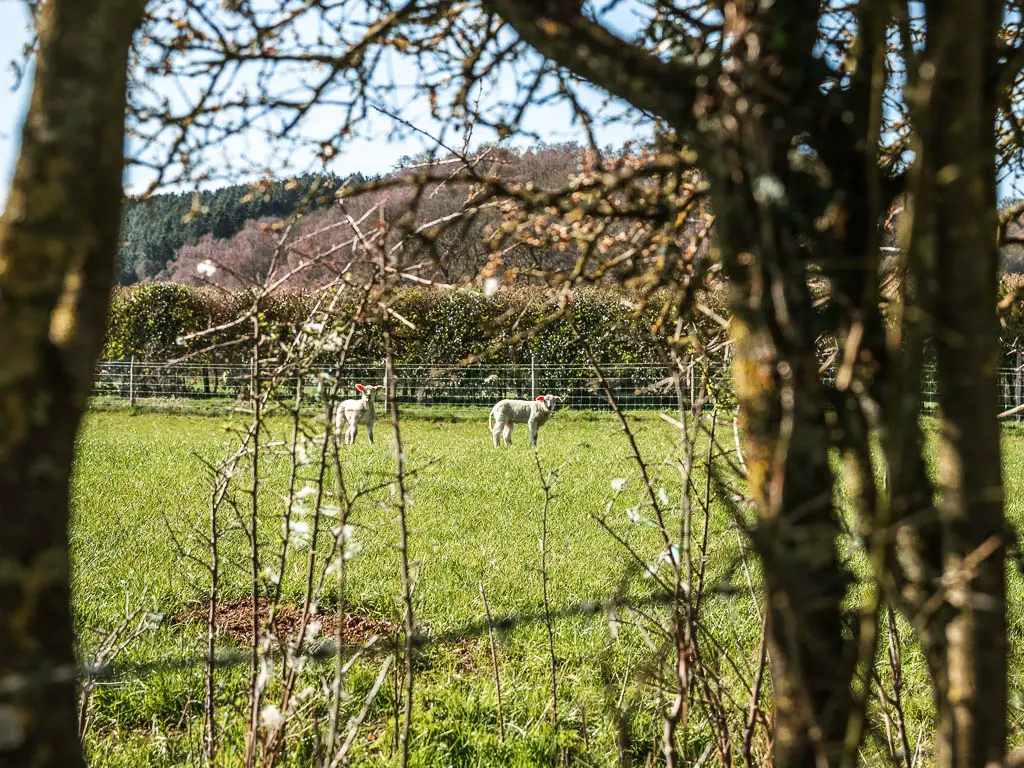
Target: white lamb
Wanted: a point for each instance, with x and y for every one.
(356, 412)
(506, 413)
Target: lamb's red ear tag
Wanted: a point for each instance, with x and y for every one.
(360, 387)
(540, 398)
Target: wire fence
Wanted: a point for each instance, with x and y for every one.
(634, 387)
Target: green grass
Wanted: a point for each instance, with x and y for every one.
(141, 495)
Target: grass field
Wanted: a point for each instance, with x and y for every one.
(141, 496)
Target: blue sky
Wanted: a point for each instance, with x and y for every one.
(13, 34)
(376, 151)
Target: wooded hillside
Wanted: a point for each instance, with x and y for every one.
(237, 228)
(155, 230)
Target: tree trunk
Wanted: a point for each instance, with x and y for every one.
(58, 240)
(968, 652)
(782, 410)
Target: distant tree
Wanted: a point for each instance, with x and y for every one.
(241, 261)
(155, 228)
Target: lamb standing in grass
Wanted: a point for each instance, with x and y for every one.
(506, 413)
(356, 412)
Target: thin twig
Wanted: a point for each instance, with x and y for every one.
(357, 721)
(494, 662)
(546, 485)
(255, 691)
(403, 548)
(755, 695)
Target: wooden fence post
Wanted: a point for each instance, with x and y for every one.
(1018, 377)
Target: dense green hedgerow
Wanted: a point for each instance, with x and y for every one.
(149, 321)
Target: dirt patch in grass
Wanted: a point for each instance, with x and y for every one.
(234, 620)
(465, 656)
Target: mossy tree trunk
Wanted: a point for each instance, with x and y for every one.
(965, 634)
(58, 240)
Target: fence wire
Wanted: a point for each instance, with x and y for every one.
(635, 387)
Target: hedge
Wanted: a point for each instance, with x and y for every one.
(147, 321)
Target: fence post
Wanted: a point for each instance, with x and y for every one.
(1018, 382)
(131, 382)
(533, 377)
